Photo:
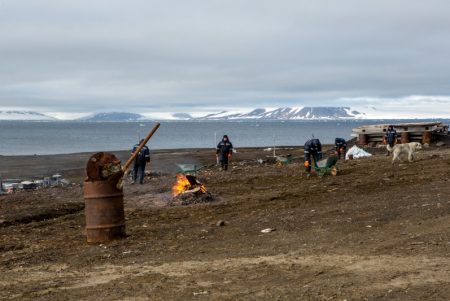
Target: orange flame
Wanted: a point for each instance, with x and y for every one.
(183, 185)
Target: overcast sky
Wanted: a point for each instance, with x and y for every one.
(187, 56)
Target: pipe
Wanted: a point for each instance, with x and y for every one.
(133, 156)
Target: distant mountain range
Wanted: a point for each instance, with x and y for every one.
(25, 115)
(301, 113)
(286, 113)
(113, 116)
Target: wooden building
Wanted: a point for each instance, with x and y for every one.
(423, 132)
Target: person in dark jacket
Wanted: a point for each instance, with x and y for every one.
(341, 146)
(391, 137)
(139, 163)
(224, 151)
(313, 150)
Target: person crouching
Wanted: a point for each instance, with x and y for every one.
(341, 146)
(313, 150)
(223, 152)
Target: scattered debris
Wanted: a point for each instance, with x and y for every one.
(417, 243)
(13, 185)
(284, 159)
(268, 230)
(191, 199)
(220, 223)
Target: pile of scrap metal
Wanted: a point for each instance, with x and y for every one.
(423, 132)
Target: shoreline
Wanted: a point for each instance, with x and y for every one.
(72, 166)
(155, 151)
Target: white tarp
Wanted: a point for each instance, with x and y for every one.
(357, 153)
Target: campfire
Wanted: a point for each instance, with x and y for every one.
(187, 184)
(188, 190)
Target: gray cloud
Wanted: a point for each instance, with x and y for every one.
(157, 55)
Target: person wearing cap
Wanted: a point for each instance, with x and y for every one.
(390, 137)
(223, 152)
(313, 150)
(140, 162)
(341, 146)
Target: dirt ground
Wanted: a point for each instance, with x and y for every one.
(374, 232)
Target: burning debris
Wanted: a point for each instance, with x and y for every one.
(187, 184)
(188, 190)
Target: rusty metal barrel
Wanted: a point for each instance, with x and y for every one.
(362, 139)
(426, 137)
(404, 137)
(105, 217)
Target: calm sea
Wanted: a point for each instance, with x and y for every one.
(27, 138)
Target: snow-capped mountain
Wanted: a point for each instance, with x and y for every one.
(288, 113)
(113, 116)
(24, 115)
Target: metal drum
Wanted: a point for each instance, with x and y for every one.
(426, 137)
(105, 218)
(362, 139)
(404, 138)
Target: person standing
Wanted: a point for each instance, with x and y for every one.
(223, 152)
(391, 137)
(140, 162)
(341, 146)
(313, 150)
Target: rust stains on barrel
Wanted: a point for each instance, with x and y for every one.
(426, 137)
(104, 210)
(362, 139)
(404, 137)
(105, 218)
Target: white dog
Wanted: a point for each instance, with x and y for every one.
(407, 148)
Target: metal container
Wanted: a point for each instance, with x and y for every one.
(105, 218)
(426, 137)
(404, 137)
(362, 139)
